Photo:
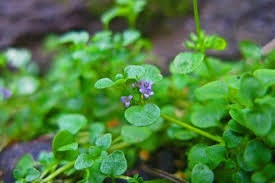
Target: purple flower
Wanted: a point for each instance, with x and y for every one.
(5, 92)
(145, 87)
(126, 100)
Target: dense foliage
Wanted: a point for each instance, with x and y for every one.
(104, 103)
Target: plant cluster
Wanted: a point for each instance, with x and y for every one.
(105, 103)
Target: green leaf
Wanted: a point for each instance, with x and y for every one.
(134, 71)
(266, 76)
(68, 147)
(71, 122)
(83, 161)
(134, 134)
(142, 115)
(26, 85)
(231, 139)
(32, 175)
(259, 121)
(240, 177)
(22, 166)
(104, 83)
(265, 175)
(250, 51)
(152, 73)
(238, 114)
(114, 164)
(208, 115)
(186, 62)
(212, 90)
(95, 175)
(215, 154)
(197, 155)
(19, 58)
(256, 154)
(215, 42)
(202, 174)
(61, 140)
(270, 138)
(96, 130)
(104, 141)
(130, 36)
(176, 132)
(250, 88)
(234, 126)
(81, 37)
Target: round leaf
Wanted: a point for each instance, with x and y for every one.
(134, 71)
(142, 115)
(259, 121)
(134, 134)
(114, 164)
(61, 140)
(32, 175)
(212, 90)
(71, 122)
(26, 85)
(186, 62)
(250, 88)
(130, 36)
(209, 115)
(104, 83)
(104, 141)
(83, 161)
(266, 76)
(197, 155)
(202, 174)
(216, 154)
(75, 37)
(231, 139)
(215, 42)
(152, 73)
(256, 154)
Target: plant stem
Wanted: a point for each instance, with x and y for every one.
(194, 129)
(58, 171)
(116, 140)
(123, 177)
(196, 15)
(119, 146)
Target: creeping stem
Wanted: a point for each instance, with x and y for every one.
(194, 129)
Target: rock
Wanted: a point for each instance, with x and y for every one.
(234, 20)
(24, 22)
(11, 154)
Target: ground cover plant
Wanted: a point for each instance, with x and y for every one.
(104, 103)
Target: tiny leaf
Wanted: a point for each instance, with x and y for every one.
(134, 134)
(75, 37)
(104, 83)
(130, 36)
(114, 164)
(64, 138)
(186, 62)
(71, 122)
(142, 115)
(212, 90)
(83, 161)
(134, 71)
(202, 174)
(104, 141)
(256, 154)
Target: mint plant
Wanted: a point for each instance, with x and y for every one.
(104, 104)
